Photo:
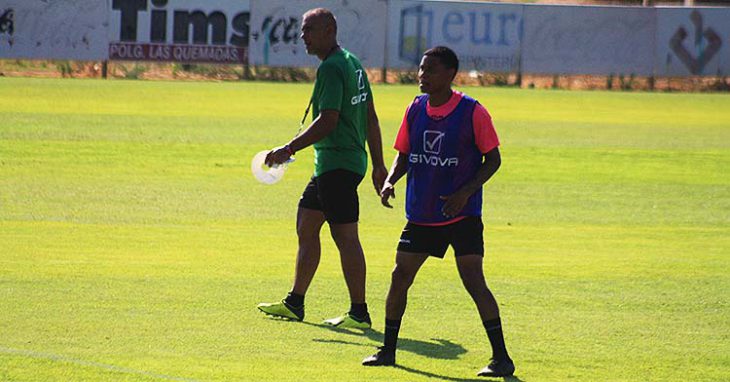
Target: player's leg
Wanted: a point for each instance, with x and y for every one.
(468, 245)
(352, 260)
(472, 276)
(416, 244)
(309, 224)
(470, 271)
(404, 273)
(310, 219)
(402, 277)
(341, 207)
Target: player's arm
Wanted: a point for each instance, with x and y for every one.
(490, 165)
(330, 104)
(375, 145)
(487, 142)
(324, 124)
(456, 201)
(400, 163)
(397, 170)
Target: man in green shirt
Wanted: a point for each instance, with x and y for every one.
(344, 118)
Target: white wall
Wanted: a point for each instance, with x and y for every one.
(588, 40)
(58, 29)
(485, 36)
(692, 42)
(276, 27)
(490, 37)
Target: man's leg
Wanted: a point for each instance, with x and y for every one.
(352, 259)
(341, 206)
(406, 268)
(402, 277)
(472, 275)
(309, 224)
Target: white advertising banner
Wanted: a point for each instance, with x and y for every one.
(276, 28)
(58, 29)
(214, 31)
(693, 41)
(588, 40)
(485, 36)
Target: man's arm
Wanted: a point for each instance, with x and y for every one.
(324, 124)
(456, 201)
(375, 145)
(397, 170)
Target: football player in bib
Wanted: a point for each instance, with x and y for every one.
(448, 148)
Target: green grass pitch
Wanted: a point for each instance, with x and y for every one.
(135, 244)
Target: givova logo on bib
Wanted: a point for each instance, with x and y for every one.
(362, 97)
(432, 142)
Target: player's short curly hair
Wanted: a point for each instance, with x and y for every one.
(446, 56)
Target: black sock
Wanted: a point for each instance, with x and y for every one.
(295, 300)
(359, 311)
(391, 334)
(496, 338)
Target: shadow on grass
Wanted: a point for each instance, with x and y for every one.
(447, 378)
(439, 348)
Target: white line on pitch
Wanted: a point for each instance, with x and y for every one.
(56, 357)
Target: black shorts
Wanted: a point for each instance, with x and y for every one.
(466, 236)
(335, 194)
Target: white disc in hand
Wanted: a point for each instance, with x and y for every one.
(264, 173)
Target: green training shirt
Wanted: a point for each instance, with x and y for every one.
(342, 85)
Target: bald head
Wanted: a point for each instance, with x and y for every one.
(319, 32)
(323, 16)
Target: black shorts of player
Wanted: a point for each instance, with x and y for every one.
(335, 194)
(465, 236)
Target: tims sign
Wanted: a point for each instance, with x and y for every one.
(163, 30)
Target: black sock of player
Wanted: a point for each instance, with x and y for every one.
(496, 338)
(359, 311)
(295, 300)
(391, 334)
